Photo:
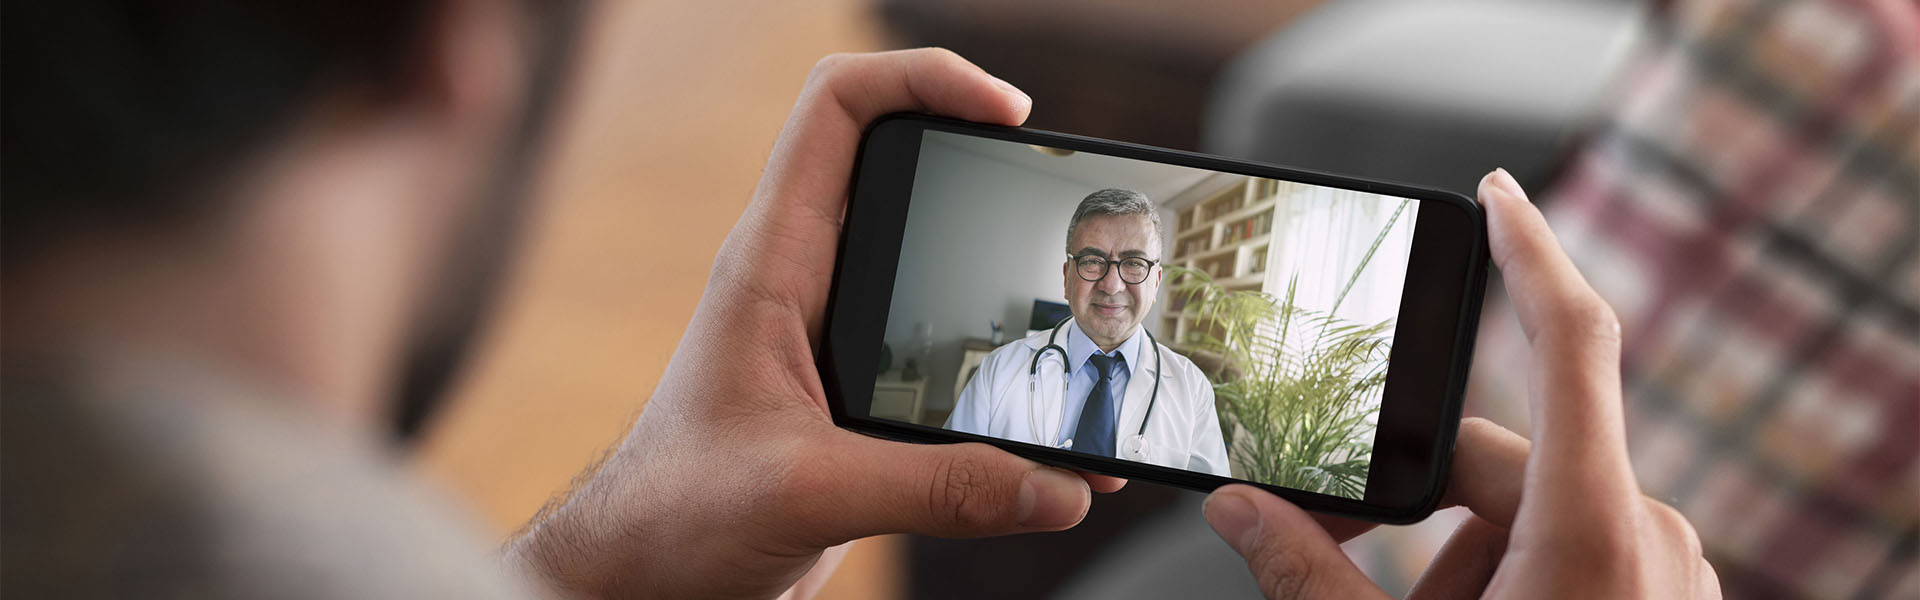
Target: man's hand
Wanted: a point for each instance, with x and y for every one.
(735, 478)
(1562, 517)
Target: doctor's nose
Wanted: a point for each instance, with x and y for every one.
(1111, 282)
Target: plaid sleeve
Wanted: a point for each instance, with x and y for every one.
(1751, 209)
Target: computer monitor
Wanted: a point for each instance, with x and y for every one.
(1047, 314)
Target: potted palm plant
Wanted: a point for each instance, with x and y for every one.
(1298, 390)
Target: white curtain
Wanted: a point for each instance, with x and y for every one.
(1321, 235)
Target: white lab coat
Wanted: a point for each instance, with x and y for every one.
(1184, 432)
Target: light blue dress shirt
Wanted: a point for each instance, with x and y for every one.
(1079, 347)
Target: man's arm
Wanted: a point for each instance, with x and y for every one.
(735, 478)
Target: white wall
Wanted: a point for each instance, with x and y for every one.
(986, 236)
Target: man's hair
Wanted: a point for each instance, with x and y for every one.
(125, 110)
(129, 113)
(1113, 202)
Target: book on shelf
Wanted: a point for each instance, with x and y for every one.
(1250, 227)
(1191, 246)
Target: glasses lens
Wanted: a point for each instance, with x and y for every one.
(1134, 270)
(1092, 268)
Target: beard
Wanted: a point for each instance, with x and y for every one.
(1117, 326)
(464, 290)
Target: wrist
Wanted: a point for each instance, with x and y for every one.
(552, 554)
(582, 545)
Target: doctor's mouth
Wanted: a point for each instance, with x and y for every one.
(1111, 310)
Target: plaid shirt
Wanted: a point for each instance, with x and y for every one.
(1751, 209)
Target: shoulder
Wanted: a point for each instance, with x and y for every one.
(1179, 366)
(195, 493)
(1175, 361)
(1010, 357)
(1019, 349)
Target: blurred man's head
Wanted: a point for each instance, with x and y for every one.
(1112, 271)
(318, 191)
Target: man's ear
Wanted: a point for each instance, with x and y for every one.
(1066, 276)
(474, 63)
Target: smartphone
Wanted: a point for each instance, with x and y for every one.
(1157, 315)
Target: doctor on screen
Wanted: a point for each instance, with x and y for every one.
(1098, 382)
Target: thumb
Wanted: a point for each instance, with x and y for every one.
(1289, 554)
(948, 490)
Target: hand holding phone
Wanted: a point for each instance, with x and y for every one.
(1585, 527)
(734, 480)
(1193, 320)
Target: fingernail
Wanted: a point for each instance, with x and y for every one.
(1504, 180)
(1008, 87)
(1233, 518)
(1052, 499)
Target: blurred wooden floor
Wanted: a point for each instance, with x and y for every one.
(674, 110)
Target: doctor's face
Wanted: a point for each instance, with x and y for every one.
(1110, 308)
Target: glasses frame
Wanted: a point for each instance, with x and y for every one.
(1109, 267)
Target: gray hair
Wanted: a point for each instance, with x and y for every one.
(1114, 202)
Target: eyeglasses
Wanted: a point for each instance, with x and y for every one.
(1133, 269)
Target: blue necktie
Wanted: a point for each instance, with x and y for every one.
(1095, 432)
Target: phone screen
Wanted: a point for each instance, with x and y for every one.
(1201, 320)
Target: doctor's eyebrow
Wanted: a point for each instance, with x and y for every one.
(1090, 250)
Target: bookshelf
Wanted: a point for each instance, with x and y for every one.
(1226, 232)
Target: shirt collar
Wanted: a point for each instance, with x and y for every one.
(1079, 347)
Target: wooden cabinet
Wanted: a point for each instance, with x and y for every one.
(898, 400)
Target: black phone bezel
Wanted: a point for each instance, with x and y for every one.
(1413, 448)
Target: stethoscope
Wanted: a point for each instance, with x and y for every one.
(1134, 446)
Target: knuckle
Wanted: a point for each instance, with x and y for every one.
(1283, 570)
(1586, 325)
(1595, 321)
(1610, 540)
(786, 481)
(1605, 543)
(1695, 547)
(1637, 546)
(830, 65)
(1675, 524)
(1488, 441)
(1665, 513)
(962, 495)
(1479, 425)
(1606, 560)
(939, 54)
(1708, 577)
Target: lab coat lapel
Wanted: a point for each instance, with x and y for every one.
(1133, 410)
(1049, 396)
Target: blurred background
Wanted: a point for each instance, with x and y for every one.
(1741, 179)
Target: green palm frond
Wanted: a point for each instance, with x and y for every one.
(1299, 389)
